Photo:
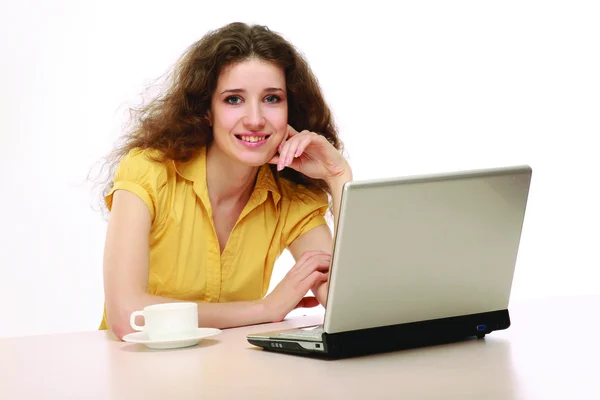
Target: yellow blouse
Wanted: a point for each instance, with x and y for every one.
(185, 258)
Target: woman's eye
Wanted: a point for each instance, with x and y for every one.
(272, 99)
(233, 100)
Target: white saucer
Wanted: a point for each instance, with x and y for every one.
(178, 342)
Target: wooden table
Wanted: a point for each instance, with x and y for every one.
(550, 352)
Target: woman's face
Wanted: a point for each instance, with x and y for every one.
(249, 111)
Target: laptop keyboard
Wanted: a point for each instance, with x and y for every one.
(304, 333)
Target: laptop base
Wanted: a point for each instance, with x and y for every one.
(394, 337)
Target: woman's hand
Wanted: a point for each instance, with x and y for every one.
(310, 154)
(289, 294)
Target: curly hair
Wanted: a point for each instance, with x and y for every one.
(176, 124)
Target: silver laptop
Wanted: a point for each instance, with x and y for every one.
(417, 260)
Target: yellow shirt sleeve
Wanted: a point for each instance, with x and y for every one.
(141, 175)
(306, 211)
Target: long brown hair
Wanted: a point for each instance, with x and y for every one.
(176, 124)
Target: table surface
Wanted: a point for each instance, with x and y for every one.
(550, 351)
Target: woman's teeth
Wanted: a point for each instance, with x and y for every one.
(253, 138)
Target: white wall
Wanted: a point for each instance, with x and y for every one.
(416, 87)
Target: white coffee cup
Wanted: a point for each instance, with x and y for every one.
(167, 321)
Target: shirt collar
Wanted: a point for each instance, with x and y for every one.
(194, 170)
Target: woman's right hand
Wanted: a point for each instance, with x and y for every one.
(289, 294)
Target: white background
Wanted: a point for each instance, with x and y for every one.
(416, 87)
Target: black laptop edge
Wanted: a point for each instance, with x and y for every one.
(394, 337)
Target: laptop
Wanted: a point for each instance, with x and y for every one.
(417, 260)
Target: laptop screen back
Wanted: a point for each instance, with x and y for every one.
(428, 247)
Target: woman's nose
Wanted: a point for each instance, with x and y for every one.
(254, 118)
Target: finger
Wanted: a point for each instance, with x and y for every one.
(304, 258)
(291, 151)
(308, 257)
(304, 143)
(317, 263)
(283, 141)
(283, 153)
(307, 302)
(301, 271)
(322, 266)
(313, 279)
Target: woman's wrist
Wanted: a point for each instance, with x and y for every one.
(267, 313)
(340, 179)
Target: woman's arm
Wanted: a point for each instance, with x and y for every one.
(126, 261)
(336, 186)
(319, 238)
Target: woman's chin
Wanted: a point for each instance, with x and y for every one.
(254, 160)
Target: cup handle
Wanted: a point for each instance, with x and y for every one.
(132, 320)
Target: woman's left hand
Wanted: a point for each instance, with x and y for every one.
(310, 154)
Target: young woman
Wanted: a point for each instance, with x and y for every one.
(235, 163)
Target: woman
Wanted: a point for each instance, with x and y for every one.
(230, 167)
